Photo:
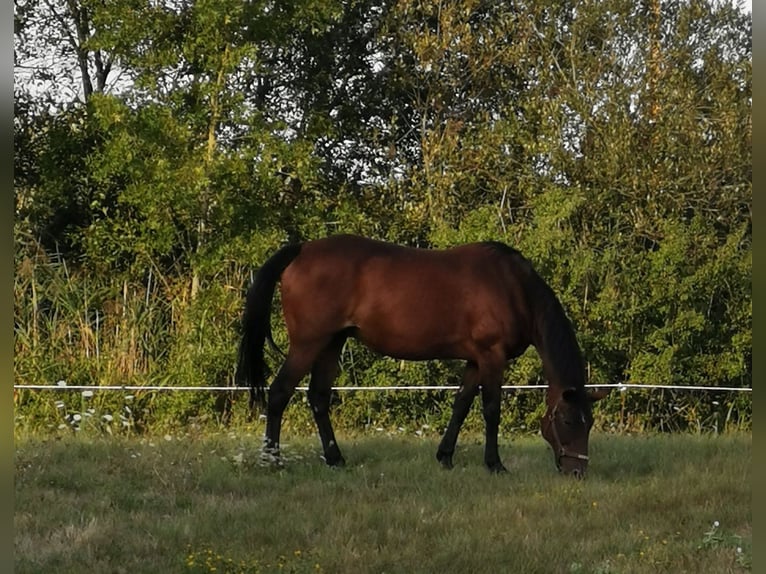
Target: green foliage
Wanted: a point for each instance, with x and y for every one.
(608, 141)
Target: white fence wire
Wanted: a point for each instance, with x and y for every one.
(62, 386)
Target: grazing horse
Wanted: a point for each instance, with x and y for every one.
(482, 303)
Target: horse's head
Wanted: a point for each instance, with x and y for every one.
(566, 426)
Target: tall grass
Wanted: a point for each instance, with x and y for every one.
(79, 330)
(206, 503)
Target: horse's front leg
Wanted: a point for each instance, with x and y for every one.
(460, 407)
(490, 397)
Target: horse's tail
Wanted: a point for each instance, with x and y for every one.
(256, 323)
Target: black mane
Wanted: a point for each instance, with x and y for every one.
(562, 359)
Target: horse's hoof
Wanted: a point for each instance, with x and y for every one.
(338, 462)
(497, 468)
(445, 460)
(272, 459)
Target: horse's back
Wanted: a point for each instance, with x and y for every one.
(340, 273)
(346, 261)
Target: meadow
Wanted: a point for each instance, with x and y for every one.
(200, 503)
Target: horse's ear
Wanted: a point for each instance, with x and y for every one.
(594, 396)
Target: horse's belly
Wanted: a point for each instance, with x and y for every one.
(412, 340)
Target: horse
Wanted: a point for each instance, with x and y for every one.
(482, 303)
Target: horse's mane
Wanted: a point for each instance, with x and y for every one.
(559, 348)
(502, 248)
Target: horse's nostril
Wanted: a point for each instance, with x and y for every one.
(577, 473)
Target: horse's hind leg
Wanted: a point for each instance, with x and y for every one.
(462, 404)
(323, 374)
(296, 366)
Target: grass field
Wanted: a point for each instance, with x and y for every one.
(191, 504)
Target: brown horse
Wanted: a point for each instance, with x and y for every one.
(482, 303)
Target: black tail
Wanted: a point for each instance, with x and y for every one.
(256, 323)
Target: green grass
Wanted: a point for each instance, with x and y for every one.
(206, 504)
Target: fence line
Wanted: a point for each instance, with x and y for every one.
(620, 386)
